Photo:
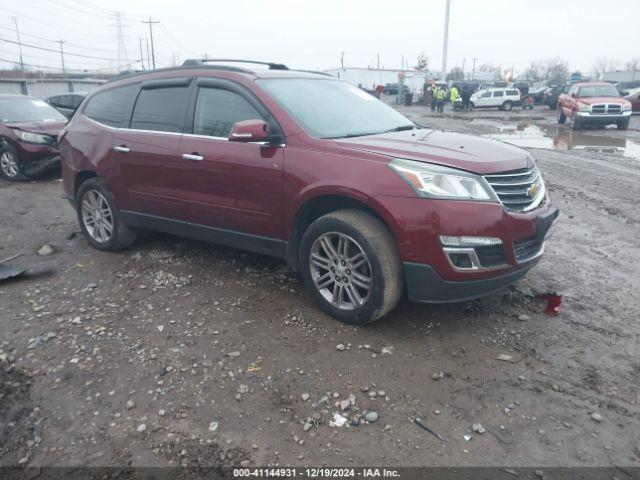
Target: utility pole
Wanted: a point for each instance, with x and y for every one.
(146, 41)
(153, 52)
(15, 21)
(378, 57)
(464, 60)
(62, 42)
(473, 74)
(342, 60)
(141, 55)
(444, 43)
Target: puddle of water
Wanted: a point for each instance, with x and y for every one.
(530, 136)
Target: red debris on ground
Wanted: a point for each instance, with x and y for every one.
(553, 303)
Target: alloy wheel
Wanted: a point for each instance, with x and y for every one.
(340, 270)
(97, 216)
(9, 164)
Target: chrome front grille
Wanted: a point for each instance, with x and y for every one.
(604, 108)
(518, 190)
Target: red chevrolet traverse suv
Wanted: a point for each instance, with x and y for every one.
(359, 200)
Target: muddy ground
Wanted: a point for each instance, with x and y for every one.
(178, 352)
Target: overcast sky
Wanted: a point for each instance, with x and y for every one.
(311, 35)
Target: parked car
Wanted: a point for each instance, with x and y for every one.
(551, 94)
(625, 87)
(67, 103)
(594, 103)
(634, 98)
(502, 98)
(28, 136)
(394, 88)
(359, 200)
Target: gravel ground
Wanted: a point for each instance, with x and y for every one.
(178, 352)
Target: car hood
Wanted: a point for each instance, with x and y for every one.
(592, 100)
(48, 128)
(451, 149)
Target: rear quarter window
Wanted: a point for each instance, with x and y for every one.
(109, 107)
(160, 109)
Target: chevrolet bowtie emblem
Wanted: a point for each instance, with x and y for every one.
(533, 189)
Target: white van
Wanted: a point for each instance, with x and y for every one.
(502, 98)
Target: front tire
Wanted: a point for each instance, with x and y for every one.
(10, 168)
(100, 218)
(507, 106)
(623, 124)
(575, 123)
(351, 267)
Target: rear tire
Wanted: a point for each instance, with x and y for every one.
(561, 116)
(10, 168)
(507, 106)
(100, 218)
(623, 124)
(351, 267)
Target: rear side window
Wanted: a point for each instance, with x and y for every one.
(511, 93)
(109, 107)
(218, 109)
(498, 93)
(160, 109)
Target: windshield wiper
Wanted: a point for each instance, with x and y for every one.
(400, 128)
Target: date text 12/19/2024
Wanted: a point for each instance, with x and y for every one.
(315, 473)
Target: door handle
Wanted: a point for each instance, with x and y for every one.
(194, 157)
(121, 149)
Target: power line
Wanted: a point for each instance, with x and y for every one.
(24, 34)
(52, 50)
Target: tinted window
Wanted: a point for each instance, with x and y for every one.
(217, 110)
(108, 107)
(513, 92)
(485, 95)
(161, 109)
(74, 101)
(498, 93)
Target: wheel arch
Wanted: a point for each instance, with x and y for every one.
(320, 204)
(81, 177)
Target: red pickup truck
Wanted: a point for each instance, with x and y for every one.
(594, 103)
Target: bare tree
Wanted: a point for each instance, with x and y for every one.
(604, 64)
(535, 72)
(633, 64)
(556, 70)
(422, 63)
(455, 74)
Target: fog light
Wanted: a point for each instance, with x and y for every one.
(461, 260)
(449, 241)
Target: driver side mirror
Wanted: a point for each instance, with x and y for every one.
(254, 130)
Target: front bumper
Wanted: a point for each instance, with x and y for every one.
(41, 165)
(424, 284)
(588, 117)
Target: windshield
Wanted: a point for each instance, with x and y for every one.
(599, 91)
(334, 109)
(18, 110)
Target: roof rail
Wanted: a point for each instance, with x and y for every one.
(193, 62)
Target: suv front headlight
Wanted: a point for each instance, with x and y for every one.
(583, 107)
(434, 181)
(30, 137)
(626, 107)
